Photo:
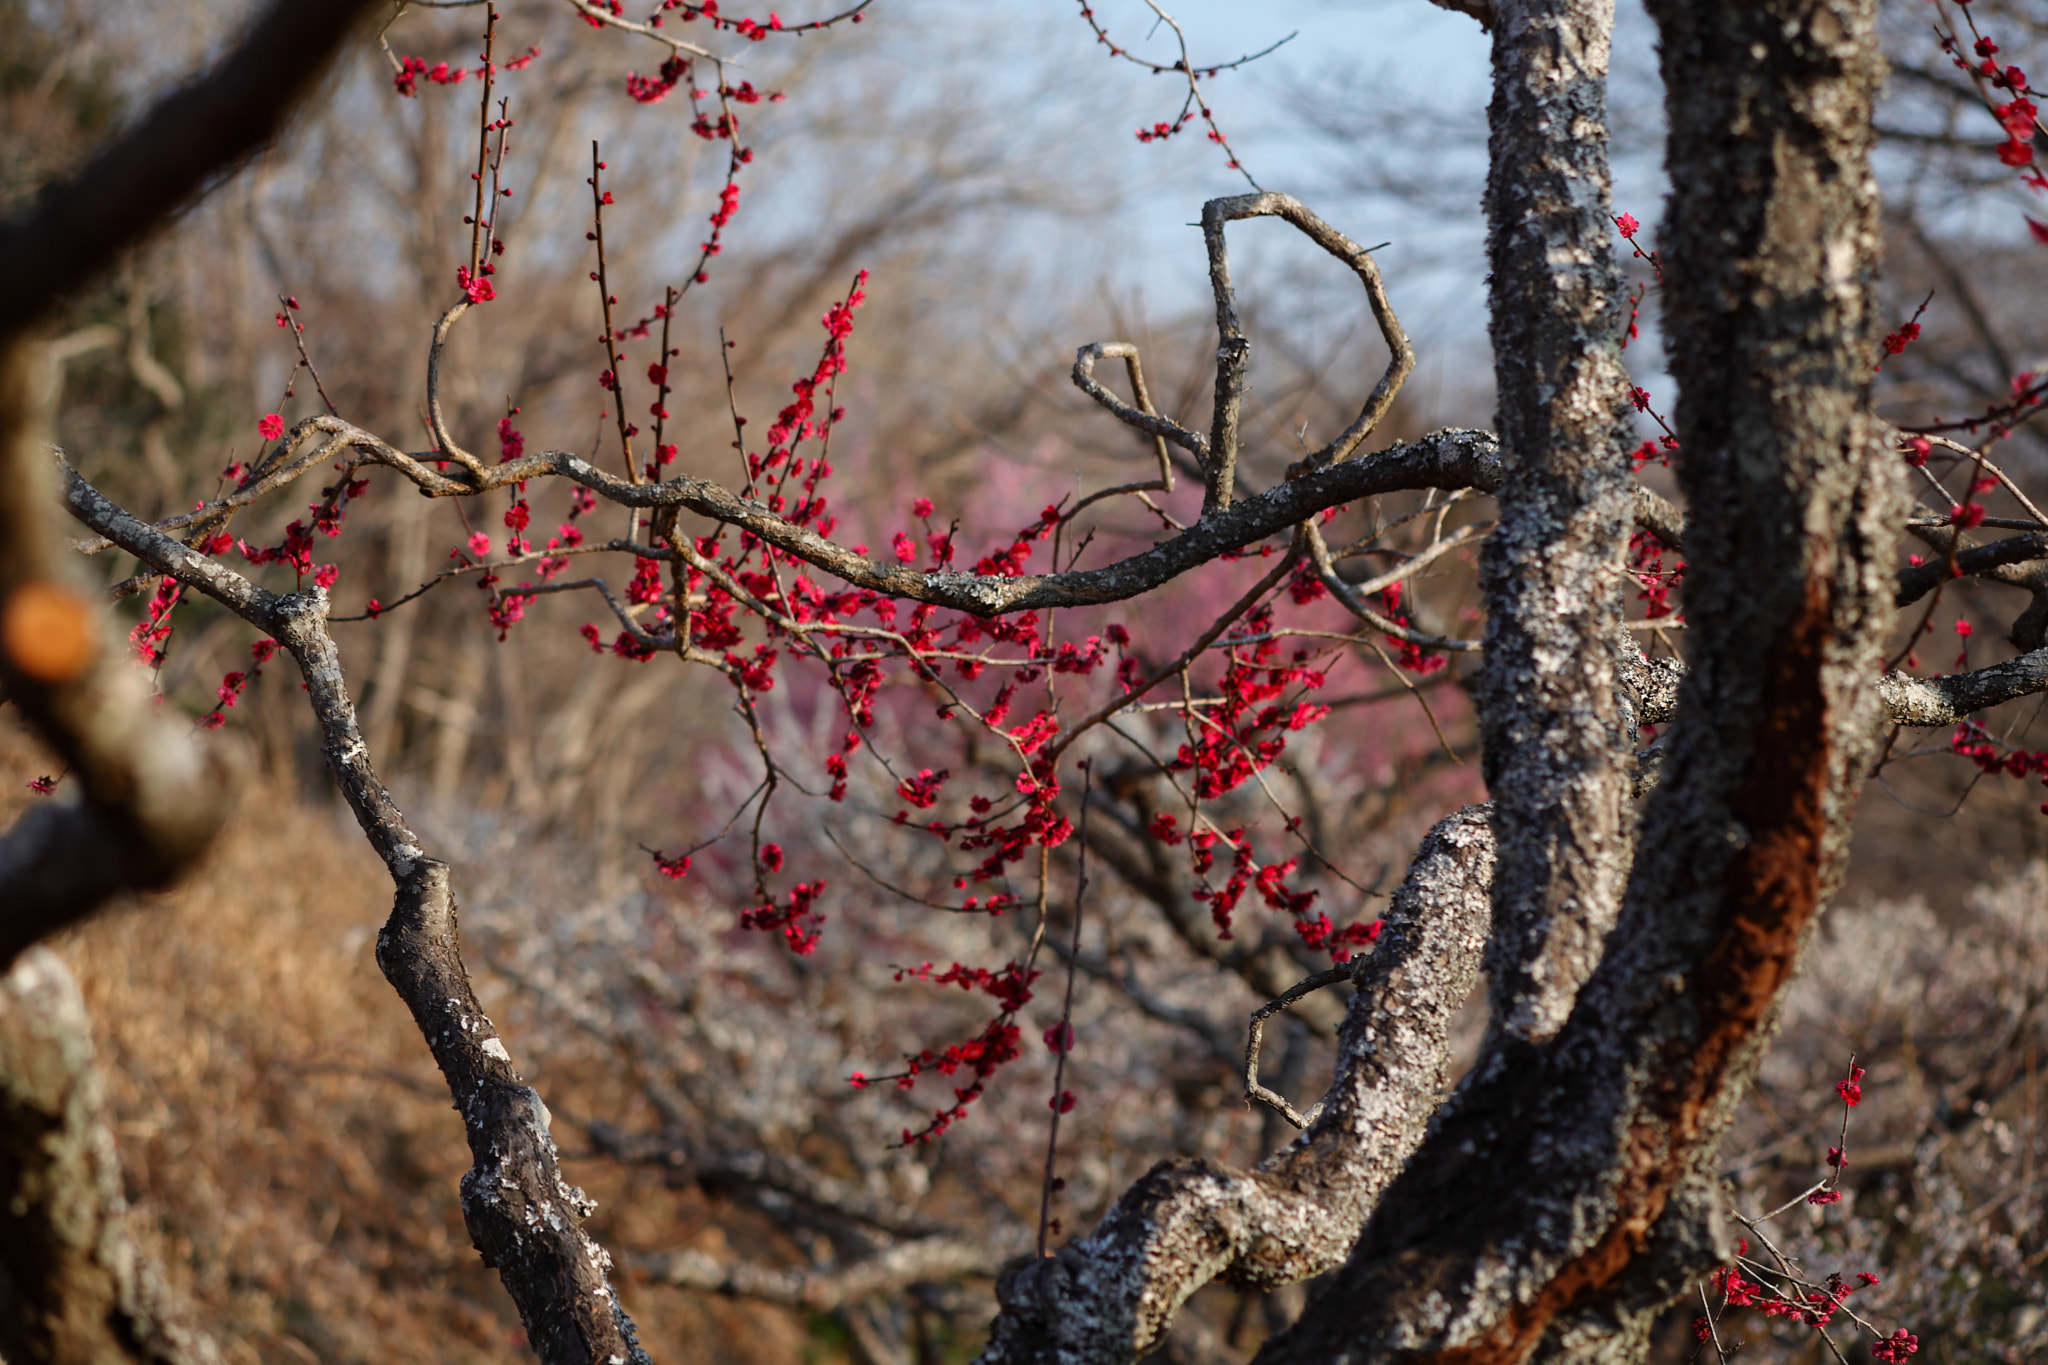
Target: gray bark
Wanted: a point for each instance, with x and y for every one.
(1944, 701)
(1554, 740)
(1110, 1296)
(1443, 459)
(1769, 252)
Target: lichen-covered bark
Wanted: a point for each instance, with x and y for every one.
(1944, 701)
(1555, 741)
(1110, 1296)
(75, 1288)
(1548, 1183)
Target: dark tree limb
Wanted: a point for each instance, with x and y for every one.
(2030, 628)
(72, 230)
(524, 1218)
(1917, 580)
(141, 803)
(148, 804)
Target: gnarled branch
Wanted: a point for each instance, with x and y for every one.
(1107, 1298)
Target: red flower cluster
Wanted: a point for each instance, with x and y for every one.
(1851, 1087)
(998, 1044)
(234, 684)
(1653, 581)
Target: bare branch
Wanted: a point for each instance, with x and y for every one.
(1920, 579)
(1143, 417)
(1233, 352)
(524, 1218)
(1451, 459)
(1945, 701)
(1252, 1089)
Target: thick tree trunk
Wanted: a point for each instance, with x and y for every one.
(1556, 749)
(1555, 1195)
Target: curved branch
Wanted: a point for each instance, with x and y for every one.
(1353, 600)
(1450, 459)
(1233, 352)
(1142, 416)
(1252, 1089)
(1105, 1299)
(436, 423)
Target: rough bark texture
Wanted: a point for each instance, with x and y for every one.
(1482, 10)
(1549, 1185)
(1555, 745)
(1110, 1296)
(74, 1287)
(1944, 701)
